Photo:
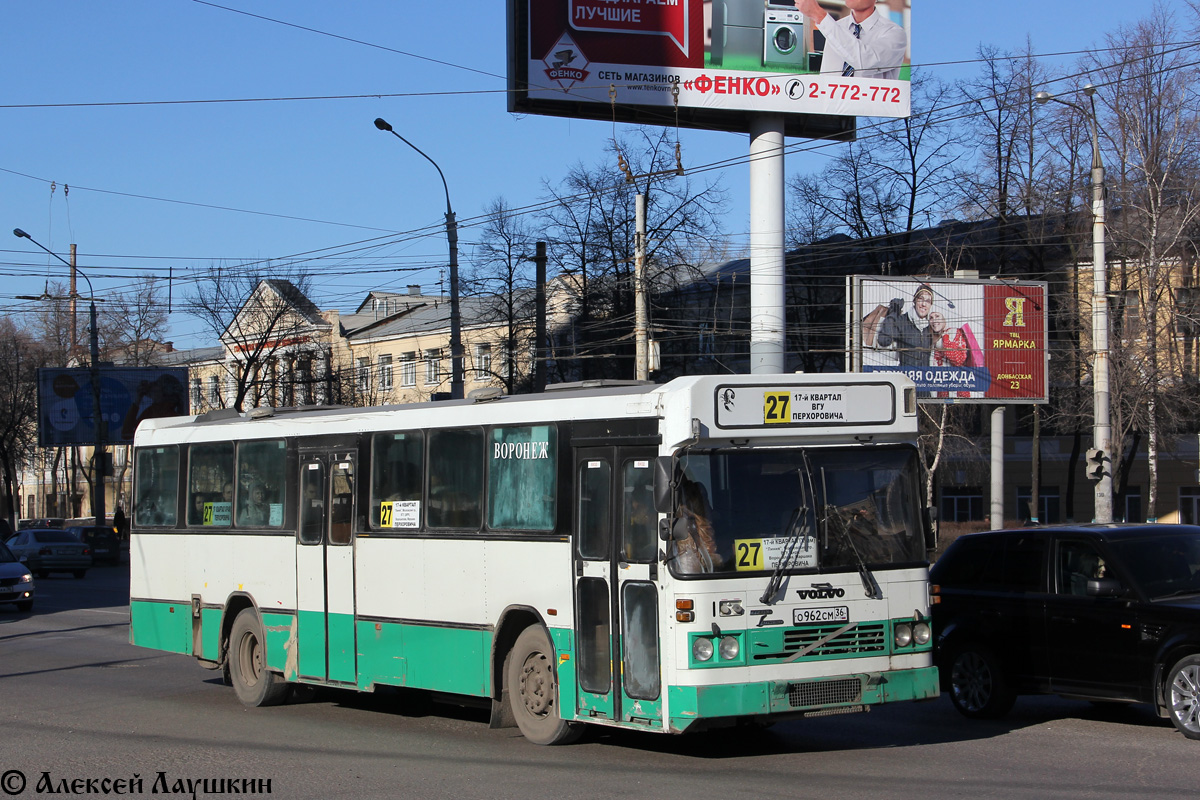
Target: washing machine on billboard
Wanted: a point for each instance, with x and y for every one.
(785, 39)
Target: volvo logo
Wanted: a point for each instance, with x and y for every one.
(820, 591)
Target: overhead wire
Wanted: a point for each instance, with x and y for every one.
(533, 208)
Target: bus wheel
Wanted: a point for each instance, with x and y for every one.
(533, 690)
(254, 684)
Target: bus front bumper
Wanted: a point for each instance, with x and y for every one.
(727, 703)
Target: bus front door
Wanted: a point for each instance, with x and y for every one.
(616, 598)
(325, 567)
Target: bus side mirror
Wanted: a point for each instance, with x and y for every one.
(664, 467)
(674, 530)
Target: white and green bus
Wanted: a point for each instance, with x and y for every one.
(707, 552)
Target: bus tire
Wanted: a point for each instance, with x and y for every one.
(532, 685)
(254, 684)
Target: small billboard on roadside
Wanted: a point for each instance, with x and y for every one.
(66, 405)
(712, 63)
(961, 341)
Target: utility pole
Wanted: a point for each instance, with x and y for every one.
(539, 325)
(1101, 453)
(98, 426)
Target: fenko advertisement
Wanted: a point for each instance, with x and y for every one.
(960, 341)
(696, 61)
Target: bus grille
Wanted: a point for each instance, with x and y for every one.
(866, 638)
(823, 693)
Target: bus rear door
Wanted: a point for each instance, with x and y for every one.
(325, 566)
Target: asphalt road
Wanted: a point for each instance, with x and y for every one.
(77, 702)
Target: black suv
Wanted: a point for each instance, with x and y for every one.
(1109, 613)
(101, 539)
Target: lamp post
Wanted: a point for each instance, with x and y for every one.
(1101, 455)
(98, 459)
(456, 354)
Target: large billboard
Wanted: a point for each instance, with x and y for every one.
(961, 341)
(712, 64)
(66, 408)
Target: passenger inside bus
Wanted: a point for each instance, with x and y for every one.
(698, 551)
(198, 500)
(255, 511)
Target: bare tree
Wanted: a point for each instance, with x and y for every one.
(1151, 121)
(61, 335)
(268, 326)
(592, 225)
(20, 357)
(133, 324)
(501, 276)
(892, 181)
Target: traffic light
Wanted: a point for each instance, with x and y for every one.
(1095, 464)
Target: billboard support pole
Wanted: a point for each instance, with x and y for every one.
(997, 504)
(640, 313)
(98, 511)
(767, 326)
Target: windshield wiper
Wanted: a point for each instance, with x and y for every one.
(798, 514)
(870, 585)
(785, 558)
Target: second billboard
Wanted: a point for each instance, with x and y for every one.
(959, 340)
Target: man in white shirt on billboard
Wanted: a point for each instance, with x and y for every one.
(862, 44)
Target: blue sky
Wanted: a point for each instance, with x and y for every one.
(158, 187)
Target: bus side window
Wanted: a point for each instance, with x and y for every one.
(157, 489)
(396, 462)
(522, 478)
(210, 484)
(261, 467)
(456, 478)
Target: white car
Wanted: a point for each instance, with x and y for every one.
(46, 550)
(16, 581)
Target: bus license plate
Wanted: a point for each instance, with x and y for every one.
(804, 616)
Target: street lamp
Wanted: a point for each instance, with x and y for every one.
(456, 354)
(98, 511)
(1101, 455)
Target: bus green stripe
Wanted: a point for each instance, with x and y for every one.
(456, 660)
(161, 626)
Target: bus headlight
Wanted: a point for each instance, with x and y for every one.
(904, 634)
(729, 648)
(702, 649)
(921, 633)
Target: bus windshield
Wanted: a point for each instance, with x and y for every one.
(811, 510)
